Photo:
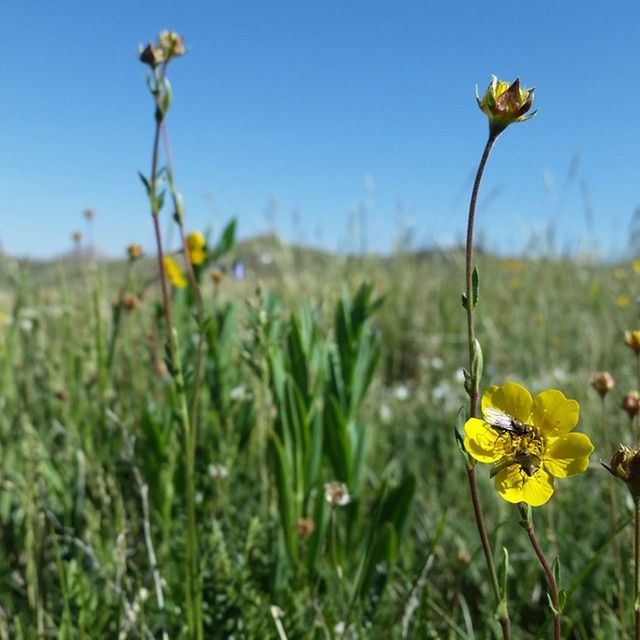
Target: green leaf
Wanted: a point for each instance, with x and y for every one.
(145, 182)
(227, 240)
(282, 473)
(298, 359)
(396, 506)
(505, 575)
(337, 442)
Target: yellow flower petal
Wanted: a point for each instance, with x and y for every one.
(174, 273)
(197, 256)
(568, 455)
(554, 414)
(482, 442)
(196, 240)
(516, 486)
(511, 398)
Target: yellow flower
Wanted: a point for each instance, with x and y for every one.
(174, 273)
(528, 441)
(197, 245)
(636, 266)
(505, 103)
(623, 301)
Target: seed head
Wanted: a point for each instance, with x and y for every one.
(602, 382)
(89, 214)
(337, 494)
(631, 404)
(505, 103)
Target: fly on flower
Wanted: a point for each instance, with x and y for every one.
(504, 423)
(539, 448)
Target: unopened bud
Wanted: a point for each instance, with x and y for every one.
(625, 465)
(129, 301)
(631, 404)
(602, 382)
(171, 44)
(632, 340)
(153, 55)
(505, 103)
(134, 251)
(305, 527)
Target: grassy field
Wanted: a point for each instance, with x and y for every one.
(187, 454)
(305, 376)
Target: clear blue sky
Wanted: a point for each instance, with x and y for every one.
(325, 106)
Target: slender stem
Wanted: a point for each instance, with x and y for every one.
(471, 330)
(166, 298)
(636, 581)
(195, 288)
(553, 587)
(474, 394)
(193, 591)
(116, 321)
(505, 622)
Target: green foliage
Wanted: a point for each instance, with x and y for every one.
(301, 384)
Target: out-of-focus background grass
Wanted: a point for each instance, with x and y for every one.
(79, 441)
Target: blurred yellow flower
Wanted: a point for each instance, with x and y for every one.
(636, 266)
(623, 301)
(174, 273)
(505, 103)
(528, 441)
(197, 245)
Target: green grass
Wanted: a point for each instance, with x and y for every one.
(285, 406)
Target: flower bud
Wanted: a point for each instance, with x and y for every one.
(129, 301)
(172, 44)
(625, 465)
(217, 276)
(631, 404)
(305, 527)
(337, 494)
(602, 382)
(134, 251)
(632, 340)
(505, 103)
(153, 55)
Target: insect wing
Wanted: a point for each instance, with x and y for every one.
(499, 420)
